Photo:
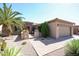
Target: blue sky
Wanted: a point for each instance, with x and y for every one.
(40, 12)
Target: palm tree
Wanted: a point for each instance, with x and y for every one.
(9, 18)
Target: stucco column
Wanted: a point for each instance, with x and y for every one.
(30, 30)
(57, 31)
(71, 30)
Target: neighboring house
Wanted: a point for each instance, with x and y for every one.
(76, 29)
(60, 28)
(29, 26)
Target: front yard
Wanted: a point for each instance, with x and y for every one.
(15, 41)
(40, 46)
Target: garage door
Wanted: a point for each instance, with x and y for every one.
(64, 31)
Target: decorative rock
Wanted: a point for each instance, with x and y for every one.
(25, 34)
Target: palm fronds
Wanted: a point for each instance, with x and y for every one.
(9, 17)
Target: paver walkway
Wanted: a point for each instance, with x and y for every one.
(27, 49)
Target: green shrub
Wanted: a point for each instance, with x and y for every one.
(10, 52)
(39, 28)
(44, 29)
(3, 44)
(72, 48)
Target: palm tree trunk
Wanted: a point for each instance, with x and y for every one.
(5, 31)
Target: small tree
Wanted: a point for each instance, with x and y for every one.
(9, 18)
(44, 29)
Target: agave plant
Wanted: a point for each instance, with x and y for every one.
(9, 18)
(72, 48)
(10, 52)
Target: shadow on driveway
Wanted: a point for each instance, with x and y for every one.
(49, 40)
(18, 38)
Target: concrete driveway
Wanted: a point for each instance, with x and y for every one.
(58, 52)
(44, 46)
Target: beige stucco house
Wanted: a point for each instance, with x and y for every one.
(60, 28)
